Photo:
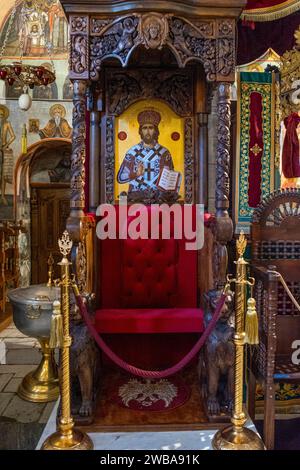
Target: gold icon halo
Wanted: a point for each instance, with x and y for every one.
(5, 111)
(57, 108)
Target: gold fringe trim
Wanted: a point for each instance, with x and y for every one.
(272, 13)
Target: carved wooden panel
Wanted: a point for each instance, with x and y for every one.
(211, 42)
(79, 43)
(173, 87)
(109, 161)
(188, 162)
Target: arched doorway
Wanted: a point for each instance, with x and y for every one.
(42, 201)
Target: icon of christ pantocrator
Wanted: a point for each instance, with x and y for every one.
(144, 161)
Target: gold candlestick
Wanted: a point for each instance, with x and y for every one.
(66, 437)
(50, 263)
(236, 436)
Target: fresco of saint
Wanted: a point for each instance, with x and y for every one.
(7, 136)
(57, 126)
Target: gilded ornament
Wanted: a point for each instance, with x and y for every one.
(65, 244)
(256, 149)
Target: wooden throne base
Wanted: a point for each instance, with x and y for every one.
(110, 416)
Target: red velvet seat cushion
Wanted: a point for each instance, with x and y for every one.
(147, 320)
(149, 285)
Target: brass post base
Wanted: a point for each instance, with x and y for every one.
(76, 441)
(237, 438)
(41, 385)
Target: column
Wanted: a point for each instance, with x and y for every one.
(77, 202)
(202, 121)
(224, 222)
(94, 174)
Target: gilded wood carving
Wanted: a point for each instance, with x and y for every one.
(290, 82)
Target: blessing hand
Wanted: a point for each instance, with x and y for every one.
(140, 169)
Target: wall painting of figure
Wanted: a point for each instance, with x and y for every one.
(149, 151)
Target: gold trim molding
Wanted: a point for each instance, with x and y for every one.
(272, 13)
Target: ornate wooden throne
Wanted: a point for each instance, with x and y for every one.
(275, 247)
(175, 53)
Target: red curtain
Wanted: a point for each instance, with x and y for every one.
(254, 4)
(278, 34)
(290, 151)
(256, 145)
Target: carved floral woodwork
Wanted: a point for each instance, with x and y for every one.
(210, 42)
(79, 47)
(188, 162)
(223, 147)
(224, 222)
(173, 87)
(109, 161)
(78, 146)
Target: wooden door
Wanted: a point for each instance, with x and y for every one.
(50, 208)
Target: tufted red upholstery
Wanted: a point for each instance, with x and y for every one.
(148, 286)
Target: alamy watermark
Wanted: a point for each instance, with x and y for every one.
(157, 221)
(296, 353)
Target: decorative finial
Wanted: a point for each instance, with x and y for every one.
(65, 244)
(241, 244)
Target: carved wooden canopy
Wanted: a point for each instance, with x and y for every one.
(200, 30)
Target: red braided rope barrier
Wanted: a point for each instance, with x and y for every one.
(149, 374)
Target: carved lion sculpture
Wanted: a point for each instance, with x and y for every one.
(85, 368)
(216, 361)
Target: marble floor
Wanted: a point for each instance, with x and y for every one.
(25, 425)
(176, 440)
(21, 422)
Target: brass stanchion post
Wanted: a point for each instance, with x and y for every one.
(236, 436)
(66, 437)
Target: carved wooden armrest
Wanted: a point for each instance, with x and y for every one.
(266, 295)
(83, 254)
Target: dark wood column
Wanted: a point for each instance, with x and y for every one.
(77, 202)
(202, 121)
(224, 222)
(95, 146)
(95, 108)
(224, 226)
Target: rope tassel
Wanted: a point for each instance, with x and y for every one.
(251, 327)
(56, 327)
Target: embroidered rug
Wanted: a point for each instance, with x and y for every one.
(152, 395)
(183, 411)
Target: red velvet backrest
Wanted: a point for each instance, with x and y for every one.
(147, 273)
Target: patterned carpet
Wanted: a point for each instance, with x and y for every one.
(185, 410)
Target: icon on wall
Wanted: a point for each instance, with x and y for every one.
(149, 150)
(57, 125)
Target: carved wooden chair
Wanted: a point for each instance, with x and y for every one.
(150, 297)
(275, 236)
